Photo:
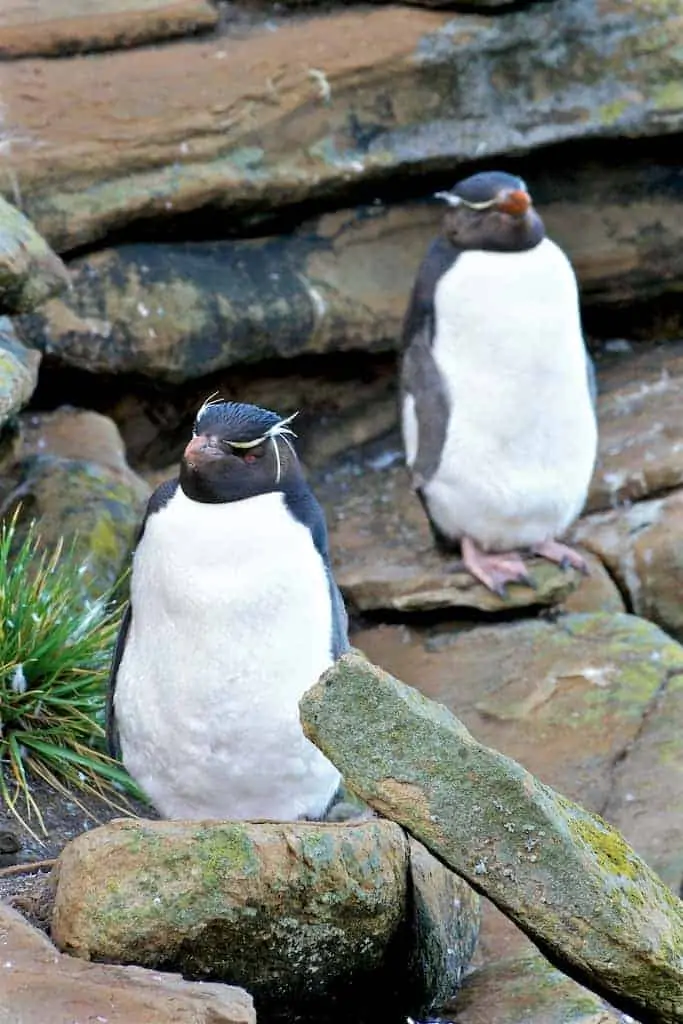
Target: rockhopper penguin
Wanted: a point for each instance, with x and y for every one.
(233, 614)
(497, 389)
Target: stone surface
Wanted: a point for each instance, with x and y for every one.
(384, 556)
(641, 431)
(322, 104)
(581, 702)
(563, 875)
(59, 27)
(96, 505)
(642, 545)
(526, 990)
(18, 371)
(304, 915)
(340, 282)
(36, 976)
(29, 270)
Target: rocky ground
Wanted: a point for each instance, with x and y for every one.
(238, 195)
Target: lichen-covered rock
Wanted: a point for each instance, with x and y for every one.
(304, 915)
(93, 506)
(55, 28)
(563, 875)
(322, 104)
(29, 270)
(385, 558)
(525, 990)
(18, 371)
(591, 704)
(40, 984)
(340, 282)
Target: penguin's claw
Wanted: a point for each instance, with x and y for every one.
(562, 555)
(495, 570)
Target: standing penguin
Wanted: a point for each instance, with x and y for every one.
(233, 615)
(497, 389)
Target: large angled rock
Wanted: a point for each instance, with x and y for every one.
(322, 104)
(340, 282)
(18, 371)
(38, 984)
(563, 875)
(29, 270)
(59, 27)
(384, 555)
(526, 990)
(309, 917)
(591, 704)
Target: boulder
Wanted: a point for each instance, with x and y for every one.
(563, 875)
(321, 105)
(55, 28)
(18, 371)
(642, 546)
(591, 704)
(526, 990)
(35, 976)
(73, 479)
(384, 555)
(340, 282)
(308, 916)
(29, 270)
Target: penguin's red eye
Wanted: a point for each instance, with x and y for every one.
(250, 457)
(249, 454)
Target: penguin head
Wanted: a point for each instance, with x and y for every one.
(238, 451)
(492, 211)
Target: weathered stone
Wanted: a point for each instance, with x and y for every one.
(305, 915)
(18, 371)
(55, 28)
(641, 432)
(95, 507)
(29, 270)
(579, 701)
(642, 545)
(322, 104)
(384, 555)
(340, 282)
(526, 990)
(79, 434)
(563, 875)
(37, 983)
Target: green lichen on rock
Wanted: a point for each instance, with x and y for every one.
(303, 914)
(29, 270)
(18, 371)
(562, 875)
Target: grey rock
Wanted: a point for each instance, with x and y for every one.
(29, 270)
(18, 371)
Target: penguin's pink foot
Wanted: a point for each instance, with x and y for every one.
(562, 555)
(495, 570)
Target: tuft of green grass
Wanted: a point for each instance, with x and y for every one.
(55, 652)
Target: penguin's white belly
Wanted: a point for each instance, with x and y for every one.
(521, 439)
(231, 624)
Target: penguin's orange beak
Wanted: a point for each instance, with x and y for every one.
(200, 450)
(514, 201)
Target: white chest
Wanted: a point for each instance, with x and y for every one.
(521, 438)
(231, 624)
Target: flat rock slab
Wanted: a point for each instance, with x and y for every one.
(47, 28)
(18, 371)
(384, 555)
(29, 270)
(563, 875)
(591, 704)
(38, 983)
(324, 103)
(307, 916)
(526, 990)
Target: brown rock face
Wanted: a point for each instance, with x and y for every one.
(38, 984)
(30, 28)
(323, 104)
